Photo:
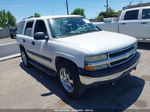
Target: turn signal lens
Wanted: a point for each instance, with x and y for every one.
(88, 68)
(92, 68)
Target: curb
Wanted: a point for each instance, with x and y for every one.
(10, 57)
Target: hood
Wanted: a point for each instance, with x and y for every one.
(99, 42)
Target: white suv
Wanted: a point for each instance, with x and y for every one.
(76, 51)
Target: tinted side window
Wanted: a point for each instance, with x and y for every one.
(131, 15)
(28, 29)
(146, 14)
(20, 27)
(40, 27)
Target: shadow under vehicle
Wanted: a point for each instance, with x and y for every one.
(105, 98)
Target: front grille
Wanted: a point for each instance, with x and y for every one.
(123, 52)
(121, 61)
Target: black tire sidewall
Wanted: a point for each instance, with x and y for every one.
(28, 64)
(79, 89)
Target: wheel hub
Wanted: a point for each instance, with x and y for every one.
(65, 80)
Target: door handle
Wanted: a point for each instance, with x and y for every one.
(143, 22)
(33, 43)
(123, 23)
(24, 40)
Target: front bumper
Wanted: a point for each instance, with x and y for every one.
(110, 74)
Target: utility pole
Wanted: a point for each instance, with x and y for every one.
(130, 3)
(107, 6)
(67, 7)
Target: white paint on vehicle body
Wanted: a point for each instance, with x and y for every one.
(99, 42)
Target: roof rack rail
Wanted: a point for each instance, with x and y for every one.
(137, 5)
(30, 17)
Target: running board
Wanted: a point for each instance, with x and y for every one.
(43, 68)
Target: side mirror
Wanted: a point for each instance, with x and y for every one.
(40, 36)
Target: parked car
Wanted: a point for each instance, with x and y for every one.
(13, 32)
(74, 50)
(134, 22)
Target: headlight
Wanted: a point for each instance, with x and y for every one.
(101, 67)
(90, 59)
(96, 58)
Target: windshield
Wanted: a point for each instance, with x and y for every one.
(63, 27)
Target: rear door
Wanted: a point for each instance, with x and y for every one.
(130, 24)
(145, 23)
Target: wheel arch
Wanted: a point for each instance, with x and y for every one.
(60, 59)
(21, 47)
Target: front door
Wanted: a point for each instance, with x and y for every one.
(42, 48)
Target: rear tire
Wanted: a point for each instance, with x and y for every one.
(25, 58)
(11, 36)
(69, 79)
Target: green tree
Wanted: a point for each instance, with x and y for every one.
(11, 20)
(36, 15)
(106, 14)
(7, 20)
(119, 12)
(111, 13)
(100, 17)
(78, 11)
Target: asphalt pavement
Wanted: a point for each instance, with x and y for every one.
(6, 40)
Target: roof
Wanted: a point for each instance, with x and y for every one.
(138, 8)
(49, 17)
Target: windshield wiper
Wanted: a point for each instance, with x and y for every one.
(89, 30)
(65, 35)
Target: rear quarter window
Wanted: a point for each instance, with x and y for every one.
(146, 14)
(20, 27)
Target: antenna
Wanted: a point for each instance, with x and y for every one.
(130, 3)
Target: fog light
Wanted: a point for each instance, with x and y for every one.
(101, 67)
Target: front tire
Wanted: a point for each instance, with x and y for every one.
(69, 79)
(25, 58)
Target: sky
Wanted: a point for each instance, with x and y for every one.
(25, 8)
